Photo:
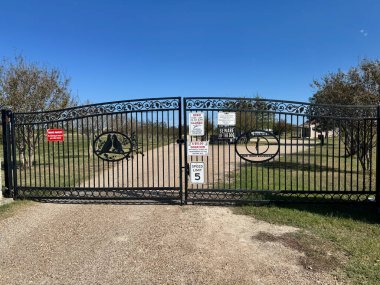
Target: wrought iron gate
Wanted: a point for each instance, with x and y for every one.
(255, 150)
(118, 150)
(227, 149)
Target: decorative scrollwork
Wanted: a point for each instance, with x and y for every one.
(279, 106)
(98, 109)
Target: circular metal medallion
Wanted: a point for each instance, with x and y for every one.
(112, 146)
(257, 146)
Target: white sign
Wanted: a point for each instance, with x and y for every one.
(196, 124)
(198, 148)
(226, 118)
(197, 172)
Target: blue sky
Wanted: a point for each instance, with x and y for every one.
(115, 50)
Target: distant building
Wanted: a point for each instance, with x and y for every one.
(309, 129)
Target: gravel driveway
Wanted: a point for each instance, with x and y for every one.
(144, 244)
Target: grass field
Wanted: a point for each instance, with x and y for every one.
(344, 240)
(309, 168)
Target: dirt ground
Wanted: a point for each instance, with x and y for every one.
(145, 244)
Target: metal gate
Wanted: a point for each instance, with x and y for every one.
(227, 150)
(119, 150)
(256, 150)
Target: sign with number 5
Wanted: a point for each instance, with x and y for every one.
(197, 172)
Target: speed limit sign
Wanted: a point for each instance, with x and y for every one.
(197, 172)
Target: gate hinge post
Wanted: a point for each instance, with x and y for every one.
(7, 149)
(377, 196)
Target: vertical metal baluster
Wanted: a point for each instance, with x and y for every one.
(370, 157)
(137, 155)
(78, 153)
(333, 157)
(364, 155)
(133, 155)
(83, 182)
(157, 151)
(89, 166)
(213, 153)
(297, 151)
(108, 122)
(163, 148)
(309, 155)
(339, 151)
(285, 152)
(351, 157)
(52, 154)
(142, 149)
(63, 154)
(168, 147)
(147, 147)
(59, 158)
(152, 150)
(291, 150)
(73, 152)
(34, 156)
(358, 156)
(122, 162)
(39, 156)
(303, 154)
(117, 163)
(129, 132)
(345, 157)
(377, 180)
(69, 175)
(327, 160)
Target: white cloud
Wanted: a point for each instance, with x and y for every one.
(364, 32)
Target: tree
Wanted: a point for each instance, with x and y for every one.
(30, 87)
(359, 86)
(251, 114)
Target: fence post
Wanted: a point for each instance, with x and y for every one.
(377, 198)
(5, 119)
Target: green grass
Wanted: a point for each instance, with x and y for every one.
(11, 209)
(352, 231)
(314, 168)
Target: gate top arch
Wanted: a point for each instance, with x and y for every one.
(149, 104)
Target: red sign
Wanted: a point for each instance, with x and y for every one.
(54, 135)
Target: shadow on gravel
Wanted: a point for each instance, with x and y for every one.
(108, 202)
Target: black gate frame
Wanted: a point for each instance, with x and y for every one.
(184, 191)
(155, 113)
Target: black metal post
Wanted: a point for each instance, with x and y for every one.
(13, 149)
(378, 158)
(185, 147)
(180, 147)
(5, 119)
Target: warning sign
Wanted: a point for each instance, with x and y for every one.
(196, 124)
(226, 133)
(226, 118)
(54, 135)
(197, 172)
(198, 148)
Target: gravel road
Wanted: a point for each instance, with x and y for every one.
(144, 244)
